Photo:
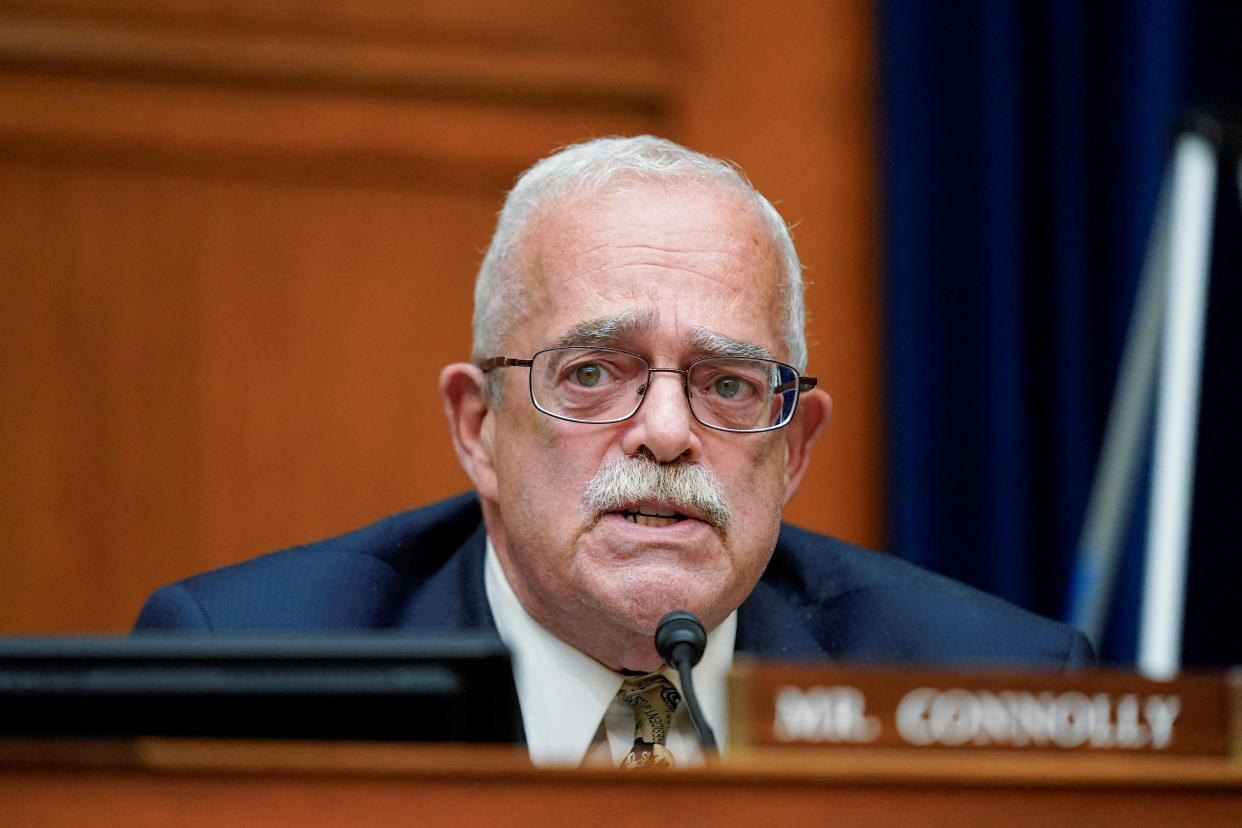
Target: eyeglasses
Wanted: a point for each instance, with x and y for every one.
(606, 385)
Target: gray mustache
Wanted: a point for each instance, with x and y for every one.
(627, 480)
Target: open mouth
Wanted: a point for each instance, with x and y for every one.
(650, 516)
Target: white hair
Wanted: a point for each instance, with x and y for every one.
(591, 169)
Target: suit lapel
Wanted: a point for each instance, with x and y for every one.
(769, 627)
(452, 598)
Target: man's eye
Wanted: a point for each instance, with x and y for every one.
(727, 387)
(588, 375)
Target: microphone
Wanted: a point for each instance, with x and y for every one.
(680, 641)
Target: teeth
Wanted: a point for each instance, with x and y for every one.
(650, 520)
(649, 510)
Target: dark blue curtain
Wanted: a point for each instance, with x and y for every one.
(1023, 149)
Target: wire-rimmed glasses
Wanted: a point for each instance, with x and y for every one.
(608, 385)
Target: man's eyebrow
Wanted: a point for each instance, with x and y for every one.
(607, 330)
(614, 329)
(712, 343)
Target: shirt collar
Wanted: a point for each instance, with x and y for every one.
(564, 692)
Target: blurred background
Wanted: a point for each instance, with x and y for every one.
(238, 240)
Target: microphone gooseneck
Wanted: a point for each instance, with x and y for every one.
(680, 641)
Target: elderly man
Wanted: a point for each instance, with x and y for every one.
(634, 422)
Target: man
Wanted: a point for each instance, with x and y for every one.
(634, 422)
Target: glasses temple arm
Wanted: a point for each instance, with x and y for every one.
(503, 362)
(800, 384)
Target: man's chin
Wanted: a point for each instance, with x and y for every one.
(638, 597)
(634, 575)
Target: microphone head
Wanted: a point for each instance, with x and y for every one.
(680, 634)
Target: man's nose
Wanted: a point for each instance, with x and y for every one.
(663, 423)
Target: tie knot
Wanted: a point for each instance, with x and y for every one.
(654, 699)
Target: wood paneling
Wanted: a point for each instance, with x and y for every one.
(238, 242)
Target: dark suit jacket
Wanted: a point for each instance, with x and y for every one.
(820, 598)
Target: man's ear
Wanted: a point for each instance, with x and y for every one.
(467, 408)
(814, 410)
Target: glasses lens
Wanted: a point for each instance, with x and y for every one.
(591, 385)
(743, 394)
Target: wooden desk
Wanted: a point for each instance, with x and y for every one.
(217, 783)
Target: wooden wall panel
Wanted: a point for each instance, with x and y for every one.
(238, 242)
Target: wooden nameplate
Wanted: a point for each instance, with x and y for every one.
(1096, 711)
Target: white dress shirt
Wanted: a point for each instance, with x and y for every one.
(568, 699)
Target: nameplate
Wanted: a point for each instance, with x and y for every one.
(775, 705)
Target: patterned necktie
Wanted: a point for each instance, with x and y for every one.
(653, 699)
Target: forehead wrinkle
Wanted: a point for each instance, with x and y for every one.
(683, 270)
(726, 251)
(714, 343)
(606, 329)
